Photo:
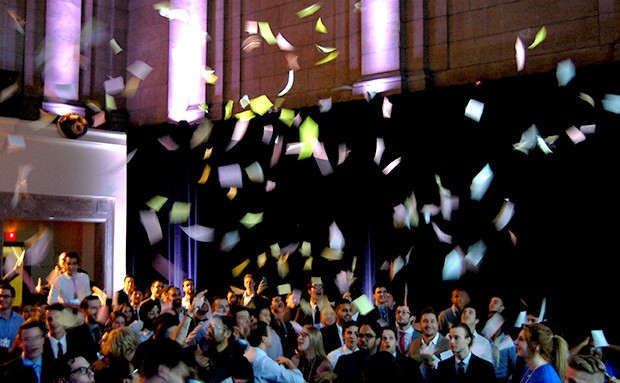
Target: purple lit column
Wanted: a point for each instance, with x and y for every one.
(188, 39)
(380, 46)
(62, 56)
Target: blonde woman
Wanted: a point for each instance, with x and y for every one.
(118, 350)
(310, 357)
(545, 354)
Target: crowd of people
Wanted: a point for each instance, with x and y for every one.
(180, 334)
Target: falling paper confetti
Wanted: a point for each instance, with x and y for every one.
(308, 11)
(540, 37)
(520, 54)
(151, 225)
(474, 110)
(199, 233)
(179, 212)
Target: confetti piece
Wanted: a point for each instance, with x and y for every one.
(306, 249)
(386, 108)
(587, 129)
(289, 83)
(565, 72)
(308, 264)
(251, 43)
(504, 216)
(241, 126)
(396, 265)
(332, 56)
(283, 44)
(261, 104)
(380, 148)
(474, 256)
(275, 250)
(16, 143)
(261, 260)
(599, 338)
(156, 202)
(230, 176)
(474, 110)
(237, 270)
(244, 102)
(131, 87)
(541, 35)
(521, 319)
(199, 233)
(277, 151)
(251, 27)
(229, 241)
(308, 11)
(453, 265)
(179, 212)
(332, 254)
(236, 290)
(325, 104)
(99, 119)
(116, 48)
(343, 153)
(270, 185)
(284, 289)
(167, 269)
(481, 182)
(286, 116)
(282, 266)
(322, 161)
(575, 135)
(443, 237)
(110, 102)
(205, 174)
(151, 225)
(266, 33)
(308, 134)
(320, 27)
(391, 166)
(493, 324)
(8, 92)
(611, 103)
(585, 97)
(250, 220)
(228, 109)
(267, 134)
(114, 86)
(255, 172)
(168, 143)
(202, 133)
(363, 304)
(520, 54)
(140, 69)
(528, 140)
(232, 192)
(344, 280)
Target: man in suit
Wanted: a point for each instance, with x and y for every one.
(333, 336)
(390, 365)
(464, 366)
(405, 333)
(427, 349)
(84, 339)
(29, 366)
(55, 346)
(251, 297)
(122, 296)
(382, 313)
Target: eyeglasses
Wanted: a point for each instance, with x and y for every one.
(367, 336)
(82, 370)
(317, 286)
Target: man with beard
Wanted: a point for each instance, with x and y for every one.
(351, 368)
(171, 301)
(283, 326)
(222, 350)
(333, 336)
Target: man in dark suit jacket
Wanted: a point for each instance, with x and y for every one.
(382, 314)
(463, 366)
(332, 334)
(30, 363)
(350, 368)
(84, 339)
(389, 365)
(122, 296)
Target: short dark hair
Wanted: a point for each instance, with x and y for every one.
(162, 352)
(7, 286)
(84, 302)
(256, 335)
(72, 254)
(241, 368)
(468, 333)
(55, 307)
(32, 323)
(350, 323)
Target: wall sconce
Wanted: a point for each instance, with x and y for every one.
(72, 125)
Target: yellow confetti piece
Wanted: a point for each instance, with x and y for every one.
(205, 175)
(308, 11)
(179, 212)
(586, 98)
(279, 102)
(232, 193)
(306, 249)
(110, 102)
(237, 270)
(156, 202)
(308, 134)
(251, 219)
(265, 32)
(284, 289)
(287, 116)
(331, 254)
(320, 27)
(308, 264)
(540, 37)
(261, 260)
(275, 250)
(207, 154)
(261, 104)
(246, 115)
(132, 87)
(354, 264)
(282, 267)
(228, 108)
(363, 304)
(324, 49)
(332, 56)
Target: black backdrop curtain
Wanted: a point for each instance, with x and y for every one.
(559, 245)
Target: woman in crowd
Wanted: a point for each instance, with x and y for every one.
(545, 354)
(118, 350)
(310, 357)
